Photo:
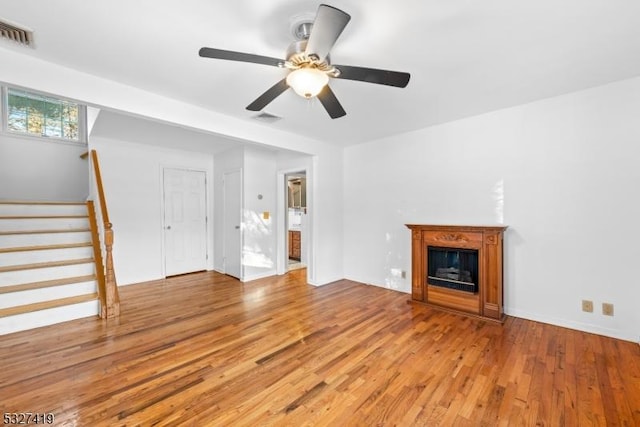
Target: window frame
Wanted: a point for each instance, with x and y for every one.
(4, 109)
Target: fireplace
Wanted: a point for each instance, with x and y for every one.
(458, 268)
(453, 268)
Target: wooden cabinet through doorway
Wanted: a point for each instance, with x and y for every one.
(294, 245)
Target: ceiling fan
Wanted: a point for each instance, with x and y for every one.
(309, 63)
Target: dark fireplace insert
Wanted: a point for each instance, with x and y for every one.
(453, 268)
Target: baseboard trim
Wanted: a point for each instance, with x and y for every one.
(571, 324)
(251, 277)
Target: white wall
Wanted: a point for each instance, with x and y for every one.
(132, 177)
(562, 173)
(33, 169)
(259, 252)
(325, 202)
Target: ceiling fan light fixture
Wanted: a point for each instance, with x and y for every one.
(307, 82)
(307, 58)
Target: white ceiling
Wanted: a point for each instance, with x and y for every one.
(465, 57)
(123, 127)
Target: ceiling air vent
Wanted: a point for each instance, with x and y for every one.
(267, 118)
(17, 34)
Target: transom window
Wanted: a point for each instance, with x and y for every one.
(33, 114)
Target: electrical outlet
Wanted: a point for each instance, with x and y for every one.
(403, 274)
(587, 306)
(607, 309)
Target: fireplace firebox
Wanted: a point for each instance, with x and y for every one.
(453, 268)
(458, 268)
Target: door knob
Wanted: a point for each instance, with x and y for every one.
(168, 227)
(237, 227)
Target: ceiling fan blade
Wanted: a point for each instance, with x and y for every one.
(331, 103)
(272, 93)
(372, 75)
(327, 27)
(208, 52)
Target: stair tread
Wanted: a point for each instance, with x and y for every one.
(45, 247)
(45, 264)
(44, 305)
(46, 284)
(37, 202)
(69, 230)
(40, 202)
(42, 216)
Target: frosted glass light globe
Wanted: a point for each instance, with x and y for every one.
(307, 82)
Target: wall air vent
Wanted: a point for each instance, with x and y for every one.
(17, 34)
(267, 118)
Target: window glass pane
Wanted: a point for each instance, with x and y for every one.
(52, 128)
(67, 112)
(70, 120)
(35, 116)
(70, 130)
(38, 115)
(17, 114)
(53, 118)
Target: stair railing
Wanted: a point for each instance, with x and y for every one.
(102, 231)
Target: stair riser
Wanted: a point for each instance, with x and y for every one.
(22, 240)
(22, 322)
(41, 274)
(43, 224)
(14, 209)
(28, 257)
(47, 294)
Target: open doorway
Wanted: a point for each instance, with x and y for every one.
(296, 220)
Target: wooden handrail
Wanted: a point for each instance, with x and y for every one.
(103, 203)
(109, 298)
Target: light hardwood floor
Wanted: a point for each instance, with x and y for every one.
(204, 349)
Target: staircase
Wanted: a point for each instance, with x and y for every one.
(47, 270)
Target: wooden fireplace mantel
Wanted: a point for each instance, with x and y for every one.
(487, 302)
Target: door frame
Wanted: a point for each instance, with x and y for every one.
(208, 213)
(224, 219)
(282, 210)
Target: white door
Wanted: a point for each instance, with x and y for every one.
(185, 221)
(232, 223)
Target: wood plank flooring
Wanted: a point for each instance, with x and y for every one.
(204, 349)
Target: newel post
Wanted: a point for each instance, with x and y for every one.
(112, 303)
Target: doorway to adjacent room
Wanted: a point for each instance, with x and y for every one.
(296, 220)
